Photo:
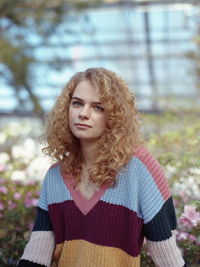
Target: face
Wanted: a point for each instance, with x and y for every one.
(86, 113)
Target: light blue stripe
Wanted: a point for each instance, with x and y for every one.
(151, 199)
(43, 196)
(56, 189)
(136, 190)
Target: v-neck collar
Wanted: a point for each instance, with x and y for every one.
(83, 204)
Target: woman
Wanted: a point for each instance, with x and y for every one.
(106, 192)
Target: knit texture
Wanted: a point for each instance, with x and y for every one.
(108, 230)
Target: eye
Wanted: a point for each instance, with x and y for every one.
(98, 108)
(76, 103)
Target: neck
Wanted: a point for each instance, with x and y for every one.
(88, 154)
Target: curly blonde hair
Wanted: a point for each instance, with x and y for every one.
(121, 136)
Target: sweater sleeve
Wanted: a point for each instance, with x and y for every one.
(158, 213)
(39, 250)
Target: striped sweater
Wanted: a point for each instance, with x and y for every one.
(107, 230)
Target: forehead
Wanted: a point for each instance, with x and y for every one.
(85, 90)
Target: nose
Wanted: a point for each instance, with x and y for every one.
(84, 113)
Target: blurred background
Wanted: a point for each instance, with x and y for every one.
(154, 45)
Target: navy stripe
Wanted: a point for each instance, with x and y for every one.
(42, 221)
(160, 227)
(25, 263)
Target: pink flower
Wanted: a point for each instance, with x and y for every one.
(192, 238)
(2, 168)
(186, 236)
(29, 194)
(18, 182)
(31, 202)
(2, 180)
(1, 206)
(190, 217)
(182, 235)
(16, 195)
(11, 205)
(3, 189)
(183, 196)
(34, 202)
(31, 182)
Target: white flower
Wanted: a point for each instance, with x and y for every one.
(4, 158)
(30, 146)
(2, 138)
(18, 175)
(26, 151)
(195, 171)
(17, 151)
(38, 167)
(15, 128)
(190, 186)
(170, 170)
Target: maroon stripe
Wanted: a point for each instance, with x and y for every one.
(106, 224)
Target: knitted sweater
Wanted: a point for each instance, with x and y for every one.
(107, 230)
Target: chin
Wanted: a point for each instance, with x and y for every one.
(88, 140)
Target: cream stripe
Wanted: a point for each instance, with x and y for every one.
(40, 248)
(166, 253)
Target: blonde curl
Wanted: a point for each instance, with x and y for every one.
(121, 137)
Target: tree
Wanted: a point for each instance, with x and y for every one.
(21, 22)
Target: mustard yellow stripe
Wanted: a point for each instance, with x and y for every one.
(80, 253)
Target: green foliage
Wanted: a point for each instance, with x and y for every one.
(20, 21)
(19, 189)
(172, 138)
(27, 26)
(18, 201)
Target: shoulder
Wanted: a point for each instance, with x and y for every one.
(55, 165)
(151, 169)
(52, 172)
(53, 188)
(143, 155)
(147, 160)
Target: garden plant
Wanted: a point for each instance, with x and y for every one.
(173, 138)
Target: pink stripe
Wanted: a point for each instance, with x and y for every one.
(155, 169)
(54, 165)
(83, 204)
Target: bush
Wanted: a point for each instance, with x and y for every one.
(17, 210)
(172, 138)
(20, 176)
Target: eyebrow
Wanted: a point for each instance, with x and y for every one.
(78, 98)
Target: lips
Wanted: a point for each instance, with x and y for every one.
(83, 125)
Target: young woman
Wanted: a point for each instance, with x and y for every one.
(106, 192)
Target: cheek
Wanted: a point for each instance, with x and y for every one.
(71, 115)
(101, 122)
